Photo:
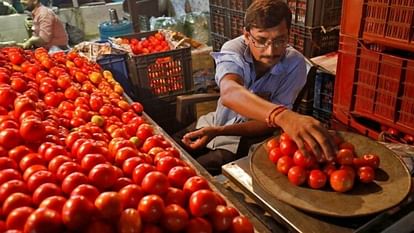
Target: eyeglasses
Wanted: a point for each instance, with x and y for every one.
(279, 43)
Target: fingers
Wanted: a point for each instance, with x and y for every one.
(324, 142)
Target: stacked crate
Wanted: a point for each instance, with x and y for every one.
(314, 29)
(227, 20)
(374, 88)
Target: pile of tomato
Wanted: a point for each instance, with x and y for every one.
(76, 157)
(153, 44)
(303, 169)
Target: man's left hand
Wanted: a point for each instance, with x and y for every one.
(198, 139)
(25, 45)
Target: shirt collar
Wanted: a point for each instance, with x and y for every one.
(277, 69)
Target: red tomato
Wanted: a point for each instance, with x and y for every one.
(88, 191)
(144, 131)
(297, 175)
(14, 201)
(178, 175)
(303, 160)
(102, 176)
(77, 212)
(195, 183)
(12, 186)
(288, 147)
(155, 183)
(32, 130)
(31, 159)
(317, 179)
(241, 224)
(150, 143)
(137, 107)
(345, 157)
(91, 160)
(54, 203)
(366, 174)
(272, 143)
(72, 181)
(53, 151)
(9, 174)
(131, 195)
(10, 138)
(151, 208)
(67, 168)
(175, 196)
(175, 218)
(129, 165)
(109, 205)
(44, 191)
(140, 171)
(341, 181)
(120, 183)
(6, 163)
(19, 152)
(275, 154)
(130, 221)
(221, 218)
(165, 164)
(38, 178)
(199, 225)
(349, 169)
(8, 124)
(371, 160)
(44, 220)
(284, 164)
(202, 202)
(55, 163)
(347, 145)
(18, 217)
(124, 153)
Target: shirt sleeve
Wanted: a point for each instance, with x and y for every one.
(45, 27)
(293, 84)
(227, 63)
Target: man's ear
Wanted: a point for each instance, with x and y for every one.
(245, 35)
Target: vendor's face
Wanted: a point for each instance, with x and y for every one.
(267, 46)
(29, 5)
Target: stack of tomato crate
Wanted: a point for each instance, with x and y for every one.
(75, 156)
(227, 20)
(374, 88)
(314, 29)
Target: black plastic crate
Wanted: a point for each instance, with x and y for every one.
(239, 5)
(316, 12)
(217, 41)
(236, 23)
(314, 41)
(323, 94)
(117, 64)
(222, 3)
(163, 112)
(161, 74)
(219, 20)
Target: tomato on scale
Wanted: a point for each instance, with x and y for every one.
(303, 169)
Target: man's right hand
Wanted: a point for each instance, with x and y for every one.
(199, 138)
(307, 130)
